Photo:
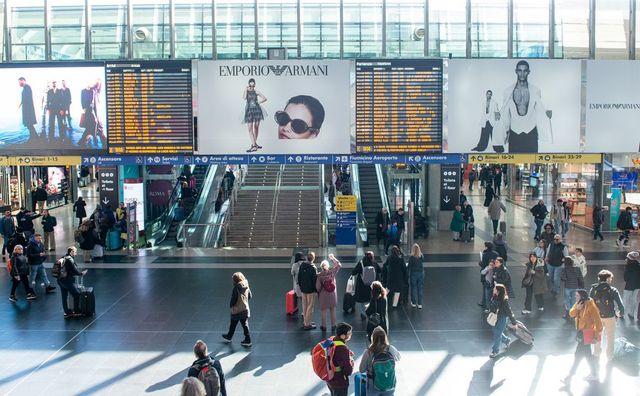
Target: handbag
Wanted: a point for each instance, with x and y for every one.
(374, 319)
(588, 336)
(351, 285)
(527, 280)
(492, 318)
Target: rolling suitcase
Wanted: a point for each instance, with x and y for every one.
(86, 301)
(98, 252)
(465, 236)
(348, 303)
(503, 227)
(291, 302)
(523, 334)
(360, 384)
(113, 240)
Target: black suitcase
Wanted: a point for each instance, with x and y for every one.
(86, 300)
(348, 303)
(465, 236)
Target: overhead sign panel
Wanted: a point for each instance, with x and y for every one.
(501, 158)
(569, 158)
(399, 106)
(45, 160)
(273, 107)
(150, 108)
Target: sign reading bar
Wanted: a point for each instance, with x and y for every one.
(569, 158)
(149, 107)
(45, 160)
(501, 158)
(399, 106)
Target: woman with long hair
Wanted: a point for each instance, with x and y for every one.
(379, 349)
(416, 276)
(363, 273)
(500, 306)
(588, 331)
(377, 310)
(239, 304)
(534, 282)
(394, 274)
(253, 113)
(326, 287)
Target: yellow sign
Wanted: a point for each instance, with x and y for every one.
(346, 203)
(44, 160)
(4, 161)
(501, 158)
(568, 158)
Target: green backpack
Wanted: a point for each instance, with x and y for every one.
(383, 371)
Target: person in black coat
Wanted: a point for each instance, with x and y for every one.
(363, 292)
(377, 305)
(624, 224)
(79, 208)
(488, 196)
(20, 270)
(502, 276)
(467, 215)
(382, 221)
(240, 311)
(394, 274)
(632, 284)
(28, 110)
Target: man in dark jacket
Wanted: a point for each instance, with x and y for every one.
(486, 257)
(67, 284)
(41, 197)
(7, 229)
(399, 217)
(48, 224)
(632, 284)
(204, 359)
(307, 275)
(382, 221)
(37, 255)
(342, 360)
(625, 224)
(556, 252)
(539, 212)
(20, 274)
(606, 297)
(467, 215)
(25, 222)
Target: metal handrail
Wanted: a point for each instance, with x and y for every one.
(232, 205)
(160, 226)
(381, 187)
(202, 198)
(322, 237)
(274, 205)
(222, 225)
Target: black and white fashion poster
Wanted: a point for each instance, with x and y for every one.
(513, 106)
(613, 107)
(273, 107)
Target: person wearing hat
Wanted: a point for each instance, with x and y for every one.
(632, 284)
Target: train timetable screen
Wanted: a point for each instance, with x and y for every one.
(149, 109)
(399, 106)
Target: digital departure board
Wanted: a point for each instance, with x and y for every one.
(399, 106)
(149, 109)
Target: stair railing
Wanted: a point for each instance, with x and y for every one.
(274, 204)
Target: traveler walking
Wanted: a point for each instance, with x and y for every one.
(488, 195)
(378, 362)
(240, 311)
(548, 234)
(399, 219)
(558, 214)
(7, 229)
(535, 283)
(37, 255)
(497, 181)
(208, 370)
(598, 220)
(48, 224)
(394, 275)
(382, 221)
(307, 274)
(327, 295)
(625, 224)
(487, 256)
(501, 246)
(571, 276)
(342, 361)
(588, 330)
(298, 258)
(67, 284)
(469, 220)
(457, 223)
(472, 179)
(541, 249)
(79, 209)
(500, 306)
(87, 238)
(567, 219)
(377, 311)
(556, 252)
(392, 236)
(416, 276)
(606, 298)
(539, 212)
(192, 387)
(579, 261)
(502, 276)
(632, 284)
(19, 273)
(494, 212)
(366, 272)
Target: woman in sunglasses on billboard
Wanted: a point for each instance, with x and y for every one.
(301, 118)
(253, 113)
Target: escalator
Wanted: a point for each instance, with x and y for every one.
(371, 197)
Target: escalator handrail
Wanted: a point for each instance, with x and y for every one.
(382, 187)
(360, 217)
(202, 199)
(163, 222)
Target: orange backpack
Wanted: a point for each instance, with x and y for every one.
(322, 358)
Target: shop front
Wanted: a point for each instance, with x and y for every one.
(622, 186)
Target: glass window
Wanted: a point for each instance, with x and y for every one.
(612, 29)
(108, 29)
(193, 30)
(362, 28)
(405, 28)
(489, 28)
(27, 30)
(571, 29)
(151, 30)
(530, 28)
(67, 27)
(235, 29)
(278, 26)
(320, 30)
(447, 28)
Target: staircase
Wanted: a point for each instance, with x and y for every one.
(370, 198)
(295, 215)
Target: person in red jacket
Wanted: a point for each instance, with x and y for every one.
(342, 360)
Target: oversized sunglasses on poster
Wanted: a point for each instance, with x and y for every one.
(297, 125)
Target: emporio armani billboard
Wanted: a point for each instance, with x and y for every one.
(274, 107)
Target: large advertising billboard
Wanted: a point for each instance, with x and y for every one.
(514, 106)
(273, 107)
(613, 107)
(52, 108)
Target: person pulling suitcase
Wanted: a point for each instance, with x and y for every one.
(66, 270)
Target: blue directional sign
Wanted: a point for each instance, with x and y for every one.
(101, 160)
(267, 160)
(378, 159)
(168, 160)
(311, 159)
(239, 159)
(436, 159)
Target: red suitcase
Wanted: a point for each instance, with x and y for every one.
(292, 302)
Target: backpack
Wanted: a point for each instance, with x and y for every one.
(392, 232)
(306, 278)
(322, 358)
(77, 236)
(383, 371)
(59, 269)
(329, 285)
(368, 275)
(209, 376)
(602, 297)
